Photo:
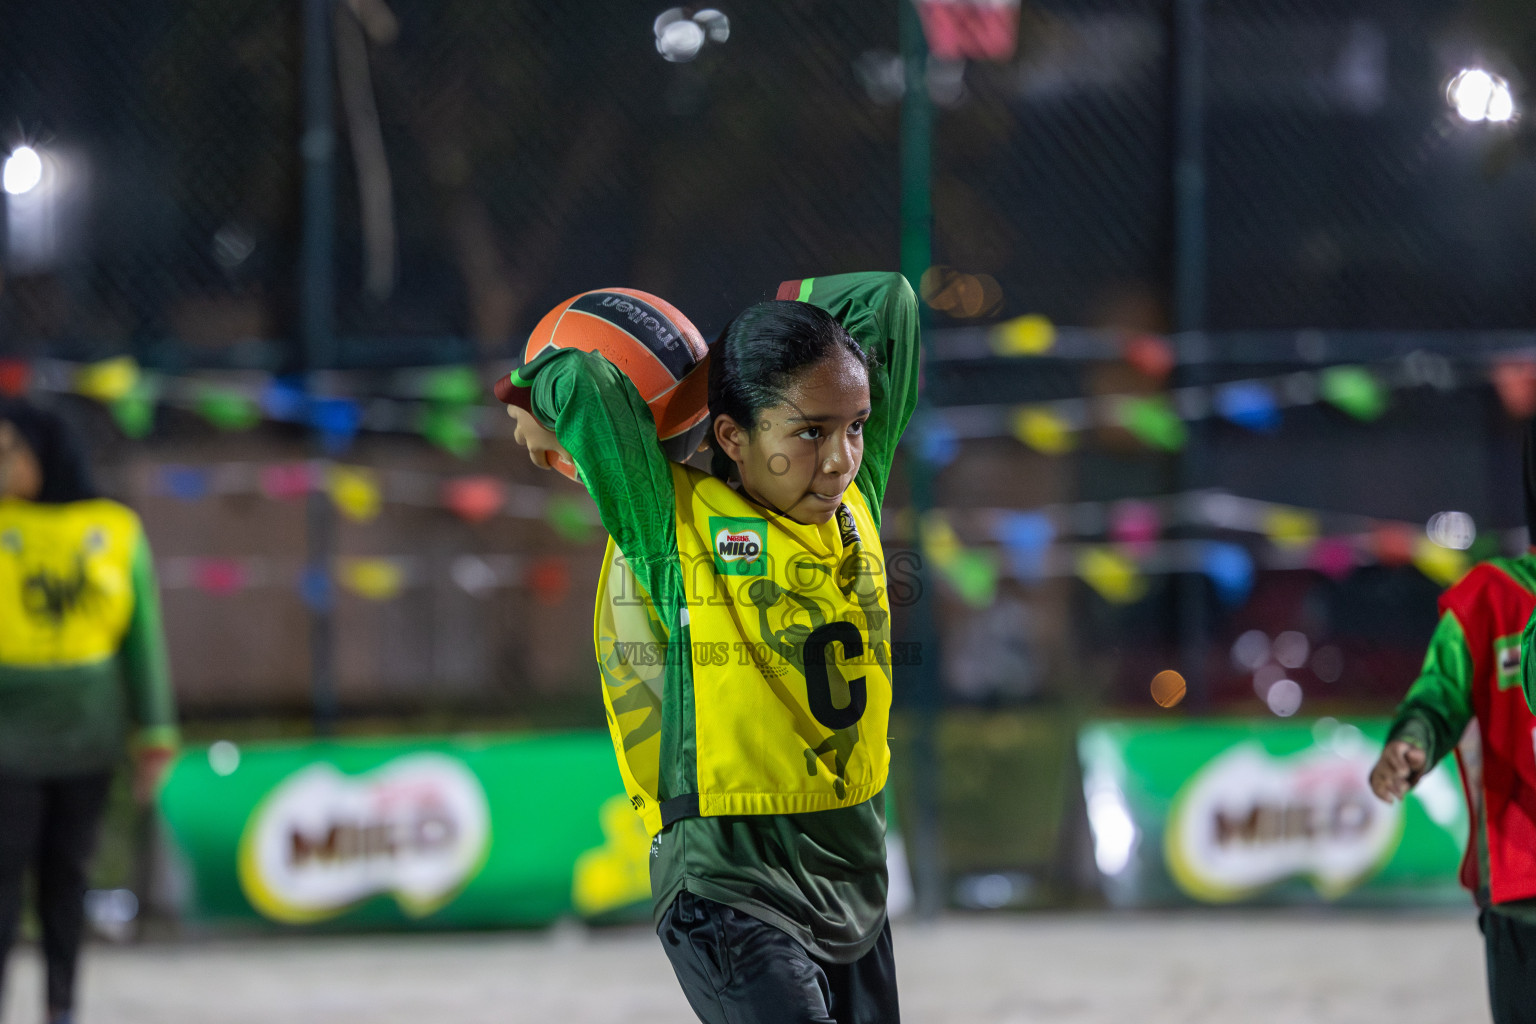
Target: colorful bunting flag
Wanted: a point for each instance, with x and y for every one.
(474, 499)
(1393, 543)
(1290, 527)
(1113, 576)
(1249, 404)
(355, 491)
(1031, 335)
(474, 575)
(336, 420)
(134, 413)
(970, 29)
(284, 400)
(568, 516)
(453, 385)
(187, 483)
(1135, 524)
(1334, 557)
(1230, 569)
(1150, 355)
(315, 588)
(1355, 391)
(1443, 565)
(218, 576)
(937, 443)
(1044, 430)
(286, 481)
(1026, 536)
(376, 579)
(940, 543)
(1515, 382)
(15, 376)
(451, 428)
(973, 574)
(1154, 422)
(550, 579)
(228, 409)
(108, 380)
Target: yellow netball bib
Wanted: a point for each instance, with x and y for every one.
(66, 588)
(788, 670)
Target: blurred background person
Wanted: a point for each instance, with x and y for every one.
(82, 658)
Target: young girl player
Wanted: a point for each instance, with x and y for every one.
(743, 634)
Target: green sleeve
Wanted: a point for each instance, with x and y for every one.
(1439, 703)
(145, 668)
(603, 422)
(1527, 669)
(880, 311)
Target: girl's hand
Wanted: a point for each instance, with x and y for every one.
(543, 447)
(1399, 767)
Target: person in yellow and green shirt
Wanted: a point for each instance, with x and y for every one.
(82, 665)
(743, 638)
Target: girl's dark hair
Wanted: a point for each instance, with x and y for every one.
(66, 476)
(756, 357)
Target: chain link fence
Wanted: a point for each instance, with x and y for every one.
(491, 159)
(494, 159)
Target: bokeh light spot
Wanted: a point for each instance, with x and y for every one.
(1251, 650)
(1168, 688)
(1284, 698)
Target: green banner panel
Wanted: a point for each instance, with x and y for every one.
(466, 832)
(1236, 811)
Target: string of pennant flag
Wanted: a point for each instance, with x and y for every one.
(1114, 547)
(373, 578)
(447, 404)
(1160, 420)
(359, 492)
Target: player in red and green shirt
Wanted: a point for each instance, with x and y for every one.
(1469, 699)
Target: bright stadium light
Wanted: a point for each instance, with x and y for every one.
(1478, 95)
(1454, 530)
(23, 171)
(680, 37)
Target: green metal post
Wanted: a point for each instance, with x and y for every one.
(317, 290)
(926, 693)
(1189, 304)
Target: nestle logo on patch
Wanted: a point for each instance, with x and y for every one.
(738, 547)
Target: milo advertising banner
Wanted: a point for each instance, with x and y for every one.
(465, 832)
(1227, 811)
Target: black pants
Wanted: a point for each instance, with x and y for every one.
(735, 969)
(50, 826)
(1511, 947)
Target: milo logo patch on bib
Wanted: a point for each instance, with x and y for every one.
(740, 545)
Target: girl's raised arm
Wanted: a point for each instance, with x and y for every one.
(880, 311)
(607, 428)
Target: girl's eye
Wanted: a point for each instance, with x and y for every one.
(809, 433)
(857, 427)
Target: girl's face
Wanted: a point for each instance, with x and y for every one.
(801, 455)
(20, 475)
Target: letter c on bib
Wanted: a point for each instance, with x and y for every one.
(818, 687)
